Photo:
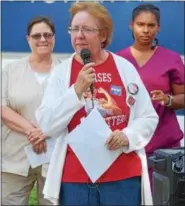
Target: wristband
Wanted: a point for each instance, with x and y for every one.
(170, 101)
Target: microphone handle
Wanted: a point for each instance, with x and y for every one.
(86, 61)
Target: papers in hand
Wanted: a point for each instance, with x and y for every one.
(88, 143)
(43, 158)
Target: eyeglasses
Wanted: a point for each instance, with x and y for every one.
(38, 36)
(85, 30)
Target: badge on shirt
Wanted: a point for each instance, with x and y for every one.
(133, 88)
(116, 90)
(131, 101)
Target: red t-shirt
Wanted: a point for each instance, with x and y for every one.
(110, 96)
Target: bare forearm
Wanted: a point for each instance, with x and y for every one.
(15, 120)
(178, 102)
(14, 127)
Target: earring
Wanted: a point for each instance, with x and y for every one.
(154, 43)
(102, 44)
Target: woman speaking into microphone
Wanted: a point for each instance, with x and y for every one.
(122, 100)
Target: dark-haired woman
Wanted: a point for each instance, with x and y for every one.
(162, 72)
(23, 85)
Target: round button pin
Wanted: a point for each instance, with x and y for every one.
(133, 88)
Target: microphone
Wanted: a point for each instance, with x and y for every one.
(85, 55)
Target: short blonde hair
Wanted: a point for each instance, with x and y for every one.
(100, 13)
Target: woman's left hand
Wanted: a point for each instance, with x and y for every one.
(117, 140)
(159, 96)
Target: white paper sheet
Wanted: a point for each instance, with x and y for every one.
(43, 158)
(88, 143)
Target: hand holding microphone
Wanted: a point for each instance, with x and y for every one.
(86, 76)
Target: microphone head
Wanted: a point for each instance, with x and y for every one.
(85, 54)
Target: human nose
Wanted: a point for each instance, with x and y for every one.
(42, 38)
(145, 29)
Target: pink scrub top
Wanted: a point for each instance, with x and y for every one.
(163, 69)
